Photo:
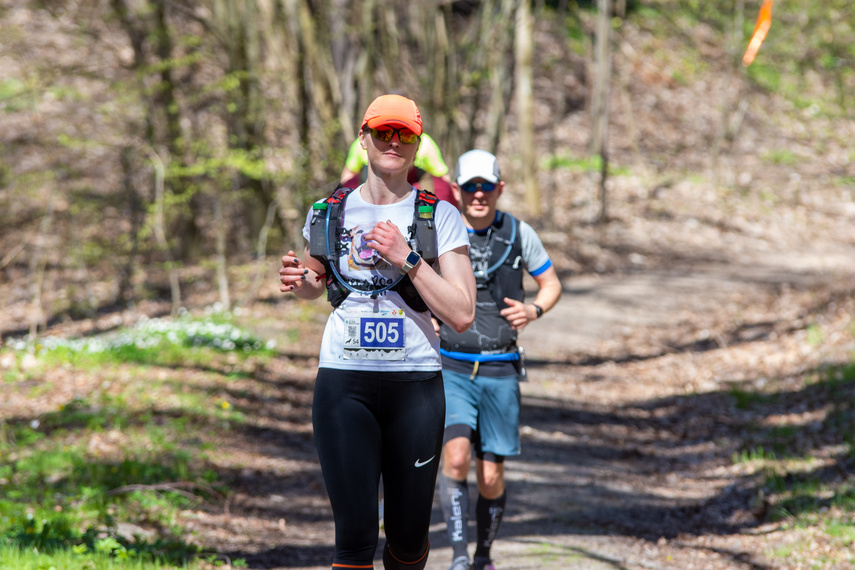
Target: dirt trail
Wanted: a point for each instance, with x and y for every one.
(629, 424)
(628, 427)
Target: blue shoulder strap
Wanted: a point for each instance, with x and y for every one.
(509, 244)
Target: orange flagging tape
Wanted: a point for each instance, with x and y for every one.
(764, 22)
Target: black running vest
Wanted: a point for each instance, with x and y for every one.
(325, 245)
(498, 264)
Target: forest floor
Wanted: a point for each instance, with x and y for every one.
(639, 449)
(655, 385)
(684, 369)
(679, 413)
(682, 348)
(630, 425)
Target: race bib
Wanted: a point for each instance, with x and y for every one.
(374, 336)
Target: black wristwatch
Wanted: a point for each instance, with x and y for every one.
(411, 261)
(538, 309)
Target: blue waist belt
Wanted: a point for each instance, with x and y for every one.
(475, 357)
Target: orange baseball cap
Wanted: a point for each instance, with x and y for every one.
(394, 110)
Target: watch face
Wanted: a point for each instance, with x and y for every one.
(413, 258)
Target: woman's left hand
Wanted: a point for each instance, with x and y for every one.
(388, 241)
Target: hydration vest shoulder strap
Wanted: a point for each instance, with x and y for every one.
(322, 235)
(507, 234)
(498, 276)
(324, 238)
(424, 226)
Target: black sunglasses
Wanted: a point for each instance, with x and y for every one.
(385, 134)
(472, 187)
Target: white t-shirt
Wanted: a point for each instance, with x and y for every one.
(383, 333)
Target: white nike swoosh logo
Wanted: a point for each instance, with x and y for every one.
(423, 463)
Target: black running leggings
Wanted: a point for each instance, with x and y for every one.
(372, 423)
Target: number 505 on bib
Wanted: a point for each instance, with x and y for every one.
(381, 332)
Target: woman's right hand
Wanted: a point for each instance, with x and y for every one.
(305, 277)
(293, 273)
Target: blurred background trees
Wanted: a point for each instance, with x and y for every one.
(147, 145)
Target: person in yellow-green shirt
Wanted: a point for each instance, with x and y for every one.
(428, 159)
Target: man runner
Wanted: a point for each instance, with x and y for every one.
(482, 367)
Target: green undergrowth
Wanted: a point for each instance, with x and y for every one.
(581, 164)
(103, 557)
(804, 466)
(163, 342)
(102, 480)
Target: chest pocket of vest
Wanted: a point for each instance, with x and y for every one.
(491, 332)
(324, 244)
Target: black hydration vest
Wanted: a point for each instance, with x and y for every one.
(498, 276)
(325, 245)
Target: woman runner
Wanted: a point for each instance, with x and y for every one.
(379, 407)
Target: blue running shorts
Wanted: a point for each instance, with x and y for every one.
(489, 406)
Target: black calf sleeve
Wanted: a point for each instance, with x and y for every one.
(489, 513)
(454, 498)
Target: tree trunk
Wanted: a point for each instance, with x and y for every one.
(600, 99)
(559, 73)
(163, 134)
(499, 52)
(722, 161)
(261, 267)
(366, 66)
(324, 81)
(525, 104)
(300, 182)
(136, 216)
(186, 228)
(222, 259)
(444, 98)
(37, 271)
(238, 23)
(344, 56)
(160, 231)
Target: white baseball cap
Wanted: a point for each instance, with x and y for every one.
(477, 164)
